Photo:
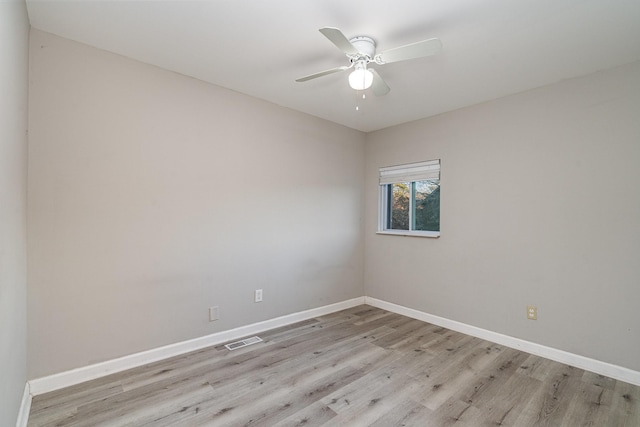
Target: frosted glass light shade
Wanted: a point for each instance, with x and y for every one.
(360, 79)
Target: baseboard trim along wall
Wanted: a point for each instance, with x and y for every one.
(602, 368)
(25, 407)
(75, 376)
(90, 372)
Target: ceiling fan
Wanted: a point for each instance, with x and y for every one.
(361, 51)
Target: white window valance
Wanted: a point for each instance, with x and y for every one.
(421, 171)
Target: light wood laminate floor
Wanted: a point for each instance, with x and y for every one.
(359, 367)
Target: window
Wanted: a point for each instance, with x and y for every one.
(410, 199)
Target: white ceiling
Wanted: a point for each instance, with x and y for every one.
(492, 48)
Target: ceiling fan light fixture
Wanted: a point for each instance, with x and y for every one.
(361, 78)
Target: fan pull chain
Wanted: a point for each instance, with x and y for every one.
(364, 96)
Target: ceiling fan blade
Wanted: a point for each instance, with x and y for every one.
(323, 73)
(337, 38)
(410, 51)
(379, 86)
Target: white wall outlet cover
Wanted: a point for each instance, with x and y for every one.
(214, 313)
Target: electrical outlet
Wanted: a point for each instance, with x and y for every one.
(258, 295)
(532, 312)
(214, 313)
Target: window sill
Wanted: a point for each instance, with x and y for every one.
(432, 234)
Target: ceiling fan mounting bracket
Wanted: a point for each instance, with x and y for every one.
(366, 47)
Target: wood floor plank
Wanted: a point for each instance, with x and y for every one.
(358, 367)
(624, 407)
(358, 357)
(67, 402)
(492, 376)
(371, 403)
(316, 414)
(407, 413)
(549, 406)
(269, 407)
(455, 412)
(599, 380)
(590, 406)
(277, 385)
(502, 403)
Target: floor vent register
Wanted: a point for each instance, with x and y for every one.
(245, 342)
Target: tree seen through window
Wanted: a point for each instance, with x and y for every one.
(415, 206)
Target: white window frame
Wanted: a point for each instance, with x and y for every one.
(421, 171)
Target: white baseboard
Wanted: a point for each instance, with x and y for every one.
(602, 368)
(86, 373)
(25, 407)
(75, 376)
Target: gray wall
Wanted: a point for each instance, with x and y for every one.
(14, 44)
(153, 196)
(540, 205)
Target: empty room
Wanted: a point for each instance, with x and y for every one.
(319, 213)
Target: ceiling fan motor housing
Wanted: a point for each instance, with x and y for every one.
(366, 47)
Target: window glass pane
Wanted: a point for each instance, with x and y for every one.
(400, 197)
(427, 205)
